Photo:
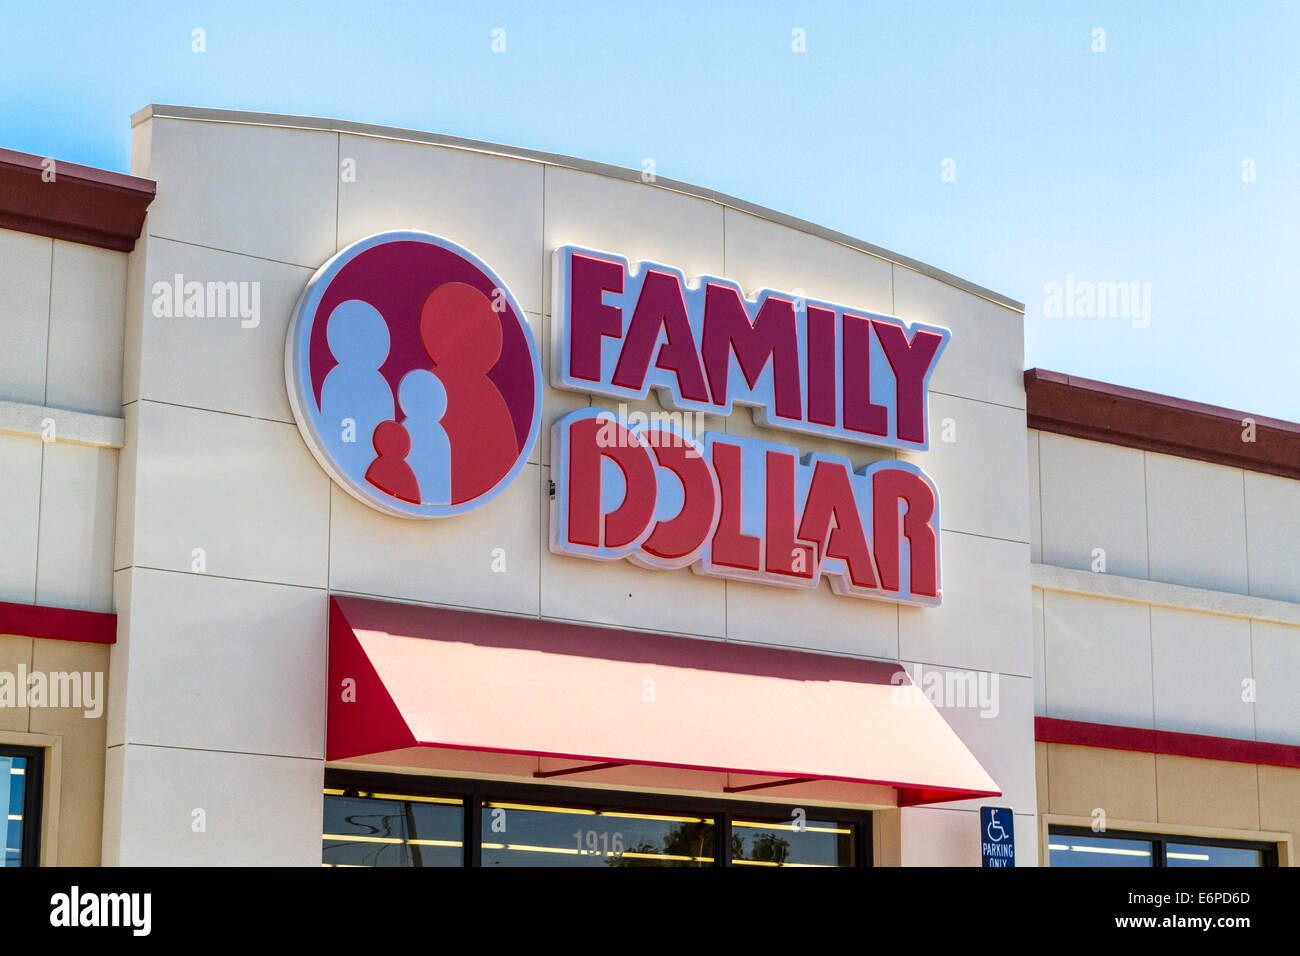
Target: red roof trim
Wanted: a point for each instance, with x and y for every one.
(1082, 408)
(57, 623)
(94, 207)
(1052, 730)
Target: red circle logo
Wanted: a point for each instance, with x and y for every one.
(413, 375)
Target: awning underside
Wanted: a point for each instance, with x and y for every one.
(429, 687)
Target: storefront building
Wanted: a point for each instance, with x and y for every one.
(404, 500)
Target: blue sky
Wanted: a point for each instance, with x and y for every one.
(1116, 166)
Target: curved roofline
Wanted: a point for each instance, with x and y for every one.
(250, 118)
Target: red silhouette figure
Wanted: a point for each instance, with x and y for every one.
(390, 472)
(462, 334)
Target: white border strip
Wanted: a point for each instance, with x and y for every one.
(1049, 577)
(80, 428)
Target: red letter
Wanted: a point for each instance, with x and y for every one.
(779, 534)
(589, 318)
(731, 547)
(910, 362)
(831, 496)
(660, 304)
(772, 336)
(860, 415)
(626, 523)
(889, 486)
(685, 533)
(821, 366)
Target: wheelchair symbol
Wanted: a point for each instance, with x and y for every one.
(995, 830)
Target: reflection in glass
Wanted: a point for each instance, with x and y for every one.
(1192, 854)
(1068, 850)
(13, 780)
(791, 843)
(383, 829)
(517, 834)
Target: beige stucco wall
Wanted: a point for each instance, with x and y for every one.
(1162, 793)
(61, 309)
(73, 743)
(1167, 597)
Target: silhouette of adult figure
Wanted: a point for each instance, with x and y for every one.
(462, 334)
(424, 402)
(354, 390)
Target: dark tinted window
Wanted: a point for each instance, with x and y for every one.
(1075, 846)
(381, 820)
(363, 828)
(519, 834)
(799, 842)
(21, 769)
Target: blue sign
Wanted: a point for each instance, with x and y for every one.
(997, 836)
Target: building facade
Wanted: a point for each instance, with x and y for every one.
(1166, 590)
(307, 657)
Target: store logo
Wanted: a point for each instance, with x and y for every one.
(415, 381)
(729, 505)
(735, 507)
(413, 375)
(800, 364)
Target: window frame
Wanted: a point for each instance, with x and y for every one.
(475, 792)
(33, 800)
(1160, 840)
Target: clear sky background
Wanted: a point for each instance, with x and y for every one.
(1116, 166)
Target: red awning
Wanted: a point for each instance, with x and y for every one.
(404, 677)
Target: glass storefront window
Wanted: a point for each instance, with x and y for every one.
(21, 769)
(1099, 851)
(1188, 854)
(791, 843)
(517, 834)
(374, 820)
(13, 775)
(1075, 846)
(363, 828)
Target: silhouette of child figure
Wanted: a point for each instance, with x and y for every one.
(424, 402)
(462, 334)
(358, 338)
(389, 472)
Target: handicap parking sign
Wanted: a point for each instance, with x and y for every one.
(997, 836)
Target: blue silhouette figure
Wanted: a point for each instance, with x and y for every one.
(424, 402)
(354, 392)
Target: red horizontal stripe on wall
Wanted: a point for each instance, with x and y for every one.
(1052, 730)
(58, 623)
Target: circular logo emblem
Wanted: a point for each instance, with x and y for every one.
(413, 375)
